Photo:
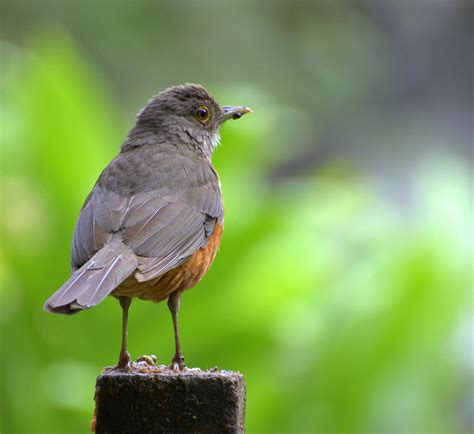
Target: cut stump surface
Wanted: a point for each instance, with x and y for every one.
(155, 399)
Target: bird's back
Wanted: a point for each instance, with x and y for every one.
(159, 204)
(153, 200)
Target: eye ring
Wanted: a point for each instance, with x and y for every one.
(202, 114)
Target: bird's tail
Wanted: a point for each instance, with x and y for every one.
(95, 280)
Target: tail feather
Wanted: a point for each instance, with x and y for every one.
(95, 280)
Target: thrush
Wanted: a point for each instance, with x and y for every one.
(152, 224)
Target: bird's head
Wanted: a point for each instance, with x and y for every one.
(187, 115)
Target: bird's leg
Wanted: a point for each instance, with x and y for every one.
(124, 357)
(174, 302)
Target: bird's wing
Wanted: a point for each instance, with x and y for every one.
(163, 227)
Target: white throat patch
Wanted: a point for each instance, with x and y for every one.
(215, 140)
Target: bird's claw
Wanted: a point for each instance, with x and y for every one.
(177, 364)
(124, 363)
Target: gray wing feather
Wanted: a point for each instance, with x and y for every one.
(108, 208)
(158, 266)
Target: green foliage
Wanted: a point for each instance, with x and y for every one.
(343, 314)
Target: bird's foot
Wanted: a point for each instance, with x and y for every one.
(177, 364)
(124, 363)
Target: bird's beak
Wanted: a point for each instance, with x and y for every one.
(233, 112)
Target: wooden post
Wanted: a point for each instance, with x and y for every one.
(155, 399)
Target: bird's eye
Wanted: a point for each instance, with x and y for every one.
(203, 114)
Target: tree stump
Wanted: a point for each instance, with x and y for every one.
(155, 399)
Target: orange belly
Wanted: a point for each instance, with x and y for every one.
(180, 278)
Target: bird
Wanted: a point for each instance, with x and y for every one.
(151, 226)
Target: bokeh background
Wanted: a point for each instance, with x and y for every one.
(343, 286)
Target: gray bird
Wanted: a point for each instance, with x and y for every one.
(152, 224)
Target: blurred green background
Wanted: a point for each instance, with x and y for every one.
(343, 286)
